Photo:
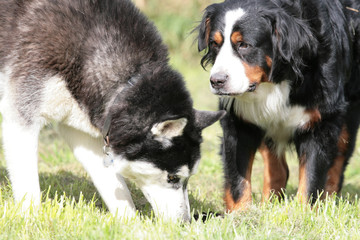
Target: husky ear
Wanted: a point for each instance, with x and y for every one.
(169, 129)
(204, 119)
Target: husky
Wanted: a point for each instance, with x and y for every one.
(100, 70)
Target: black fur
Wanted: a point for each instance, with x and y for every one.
(314, 44)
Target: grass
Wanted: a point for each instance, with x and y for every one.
(72, 209)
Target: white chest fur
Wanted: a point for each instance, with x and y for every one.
(59, 105)
(268, 107)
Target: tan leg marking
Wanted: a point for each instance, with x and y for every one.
(315, 117)
(245, 199)
(275, 172)
(334, 173)
(302, 192)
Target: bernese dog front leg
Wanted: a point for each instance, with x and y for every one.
(239, 145)
(335, 174)
(346, 145)
(276, 172)
(317, 150)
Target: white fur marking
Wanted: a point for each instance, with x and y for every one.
(167, 130)
(170, 203)
(109, 183)
(268, 108)
(183, 172)
(59, 105)
(20, 148)
(195, 168)
(166, 201)
(227, 62)
(145, 172)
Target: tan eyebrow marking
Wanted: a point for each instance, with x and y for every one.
(218, 38)
(236, 37)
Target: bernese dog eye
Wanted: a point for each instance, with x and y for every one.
(173, 179)
(242, 45)
(213, 43)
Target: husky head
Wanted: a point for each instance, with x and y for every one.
(155, 138)
(162, 170)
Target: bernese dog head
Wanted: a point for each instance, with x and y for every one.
(251, 42)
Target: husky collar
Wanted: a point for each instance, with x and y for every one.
(106, 128)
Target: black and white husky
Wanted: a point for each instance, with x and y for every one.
(99, 69)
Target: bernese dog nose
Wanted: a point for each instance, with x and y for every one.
(218, 80)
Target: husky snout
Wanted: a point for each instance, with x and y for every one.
(168, 202)
(166, 192)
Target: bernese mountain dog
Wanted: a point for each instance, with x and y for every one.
(286, 71)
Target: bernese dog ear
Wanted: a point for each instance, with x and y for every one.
(204, 27)
(204, 31)
(293, 41)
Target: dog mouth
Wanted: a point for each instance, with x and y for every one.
(228, 94)
(220, 92)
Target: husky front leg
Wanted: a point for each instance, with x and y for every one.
(20, 149)
(111, 186)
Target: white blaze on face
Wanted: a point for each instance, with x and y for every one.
(227, 62)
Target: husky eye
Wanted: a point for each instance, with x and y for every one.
(173, 179)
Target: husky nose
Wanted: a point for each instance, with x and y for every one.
(218, 80)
